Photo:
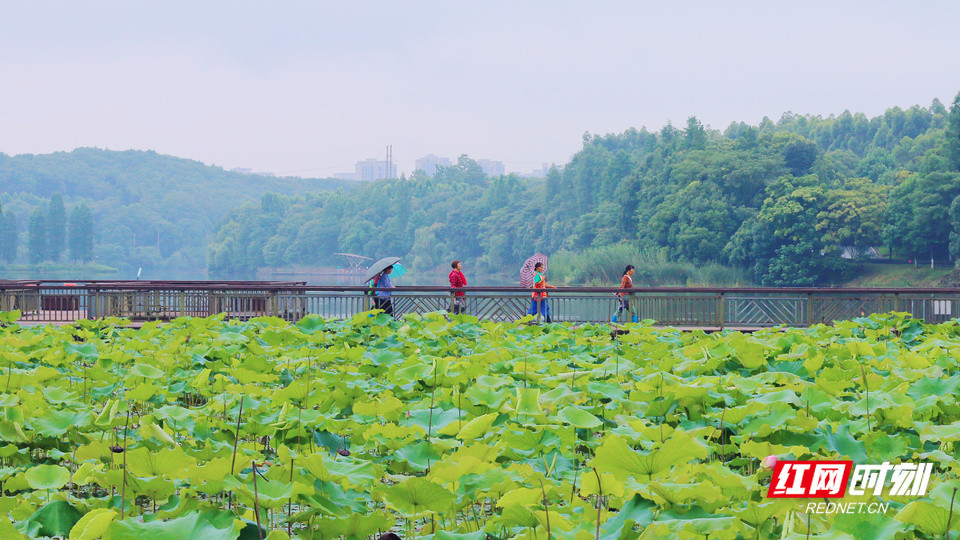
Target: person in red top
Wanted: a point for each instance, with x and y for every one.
(457, 279)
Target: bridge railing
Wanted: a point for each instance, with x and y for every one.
(41, 301)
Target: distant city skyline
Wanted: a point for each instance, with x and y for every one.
(310, 88)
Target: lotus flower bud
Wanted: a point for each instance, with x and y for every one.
(769, 462)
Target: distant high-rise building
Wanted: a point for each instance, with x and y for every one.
(428, 164)
(374, 169)
(539, 173)
(491, 168)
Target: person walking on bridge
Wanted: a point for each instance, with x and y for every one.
(540, 282)
(626, 282)
(382, 299)
(457, 280)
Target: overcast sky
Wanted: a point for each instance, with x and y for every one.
(308, 88)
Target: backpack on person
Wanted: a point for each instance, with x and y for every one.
(373, 285)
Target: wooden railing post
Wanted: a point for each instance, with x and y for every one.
(721, 310)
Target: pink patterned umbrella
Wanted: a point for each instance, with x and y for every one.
(526, 271)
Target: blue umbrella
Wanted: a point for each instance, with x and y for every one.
(379, 266)
(398, 270)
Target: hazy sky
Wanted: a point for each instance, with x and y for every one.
(308, 88)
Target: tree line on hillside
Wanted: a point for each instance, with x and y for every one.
(51, 234)
(151, 210)
(794, 202)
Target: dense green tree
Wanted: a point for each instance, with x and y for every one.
(37, 236)
(9, 236)
(781, 246)
(146, 194)
(955, 229)
(781, 199)
(917, 221)
(81, 233)
(952, 139)
(695, 137)
(852, 215)
(56, 228)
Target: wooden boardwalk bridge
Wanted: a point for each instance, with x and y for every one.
(704, 307)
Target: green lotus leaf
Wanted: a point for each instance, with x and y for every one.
(150, 430)
(439, 419)
(9, 531)
(415, 496)
(146, 371)
(156, 488)
(486, 395)
(87, 351)
(756, 513)
(9, 317)
(209, 526)
(87, 472)
(47, 476)
(56, 423)
(56, 518)
(166, 462)
(928, 518)
(59, 395)
(477, 428)
(844, 444)
(12, 432)
(559, 396)
(357, 526)
(93, 524)
(173, 413)
(419, 455)
(351, 472)
(723, 528)
(617, 457)
(516, 516)
(523, 497)
(750, 352)
(444, 535)
(577, 417)
(675, 493)
(528, 402)
(601, 483)
(868, 526)
(311, 324)
(950, 432)
(270, 494)
(637, 512)
(415, 372)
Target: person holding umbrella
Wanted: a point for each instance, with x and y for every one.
(540, 282)
(379, 277)
(381, 299)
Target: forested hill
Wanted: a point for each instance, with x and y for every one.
(149, 210)
(780, 200)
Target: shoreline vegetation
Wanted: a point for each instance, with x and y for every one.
(49, 270)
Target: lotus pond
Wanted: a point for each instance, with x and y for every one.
(437, 428)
